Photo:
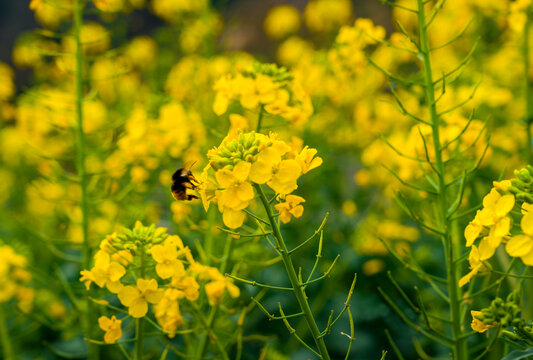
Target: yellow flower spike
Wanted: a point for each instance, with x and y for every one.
(112, 328)
(478, 325)
(166, 257)
(137, 298)
(291, 207)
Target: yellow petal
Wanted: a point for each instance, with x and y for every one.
(165, 270)
(485, 249)
(233, 218)
(116, 271)
(502, 227)
(260, 172)
(138, 308)
(527, 224)
(114, 286)
(225, 178)
(519, 245)
(526, 207)
(128, 295)
(154, 297)
(145, 285)
(504, 205)
(241, 171)
(491, 198)
(486, 217)
(528, 258)
(245, 192)
(104, 322)
(158, 253)
(472, 231)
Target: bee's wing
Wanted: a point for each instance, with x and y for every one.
(185, 170)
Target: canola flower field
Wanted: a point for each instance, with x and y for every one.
(350, 189)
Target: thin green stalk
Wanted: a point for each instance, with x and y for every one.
(450, 247)
(7, 347)
(527, 92)
(528, 117)
(139, 324)
(298, 290)
(90, 320)
(202, 346)
(260, 118)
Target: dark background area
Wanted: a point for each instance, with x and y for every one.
(243, 23)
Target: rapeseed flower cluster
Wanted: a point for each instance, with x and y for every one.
(493, 224)
(122, 266)
(264, 86)
(251, 158)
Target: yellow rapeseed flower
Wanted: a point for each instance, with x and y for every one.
(166, 257)
(136, 298)
(291, 207)
(478, 325)
(112, 328)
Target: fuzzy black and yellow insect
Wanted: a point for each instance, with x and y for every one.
(183, 180)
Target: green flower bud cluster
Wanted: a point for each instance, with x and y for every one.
(507, 313)
(140, 235)
(525, 332)
(278, 74)
(522, 185)
(244, 148)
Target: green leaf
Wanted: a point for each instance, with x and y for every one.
(519, 354)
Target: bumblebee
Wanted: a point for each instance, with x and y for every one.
(182, 180)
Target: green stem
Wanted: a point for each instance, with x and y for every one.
(90, 320)
(260, 118)
(7, 348)
(527, 92)
(210, 322)
(139, 324)
(528, 121)
(451, 247)
(298, 290)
